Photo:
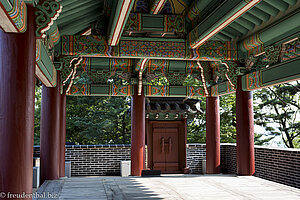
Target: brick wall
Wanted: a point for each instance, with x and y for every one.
(195, 154)
(96, 159)
(279, 165)
(228, 158)
(275, 164)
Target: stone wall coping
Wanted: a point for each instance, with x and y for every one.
(95, 146)
(195, 144)
(188, 145)
(277, 148)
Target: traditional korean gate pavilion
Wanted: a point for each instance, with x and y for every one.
(166, 132)
(126, 47)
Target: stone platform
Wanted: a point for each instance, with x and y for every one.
(204, 187)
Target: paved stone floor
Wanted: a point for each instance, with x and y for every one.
(212, 187)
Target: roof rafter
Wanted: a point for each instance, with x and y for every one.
(156, 6)
(220, 19)
(118, 21)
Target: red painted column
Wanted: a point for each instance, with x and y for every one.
(62, 135)
(50, 133)
(212, 135)
(245, 131)
(17, 82)
(137, 133)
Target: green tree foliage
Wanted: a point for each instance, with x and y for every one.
(277, 111)
(227, 119)
(98, 120)
(196, 132)
(95, 120)
(37, 111)
(197, 127)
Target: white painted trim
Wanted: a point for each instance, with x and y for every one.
(120, 21)
(159, 6)
(5, 22)
(41, 77)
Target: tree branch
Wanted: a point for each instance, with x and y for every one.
(284, 102)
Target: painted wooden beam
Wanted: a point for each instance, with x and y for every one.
(101, 90)
(221, 89)
(119, 21)
(274, 75)
(174, 91)
(220, 19)
(138, 22)
(44, 67)
(13, 15)
(146, 48)
(157, 6)
(255, 44)
(127, 90)
(54, 34)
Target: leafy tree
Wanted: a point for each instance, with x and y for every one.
(197, 127)
(227, 119)
(196, 132)
(277, 111)
(37, 111)
(96, 120)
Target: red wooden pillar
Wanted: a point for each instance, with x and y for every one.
(245, 131)
(50, 133)
(62, 135)
(212, 135)
(137, 133)
(17, 82)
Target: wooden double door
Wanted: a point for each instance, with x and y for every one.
(166, 146)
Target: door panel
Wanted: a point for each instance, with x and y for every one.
(159, 156)
(172, 149)
(165, 148)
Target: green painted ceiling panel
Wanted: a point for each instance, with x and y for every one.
(252, 18)
(245, 23)
(255, 17)
(260, 14)
(291, 2)
(100, 89)
(239, 28)
(150, 22)
(279, 4)
(79, 9)
(178, 91)
(268, 8)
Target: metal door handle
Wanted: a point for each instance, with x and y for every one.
(162, 144)
(170, 144)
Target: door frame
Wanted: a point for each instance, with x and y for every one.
(181, 141)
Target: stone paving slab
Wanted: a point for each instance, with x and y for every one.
(188, 187)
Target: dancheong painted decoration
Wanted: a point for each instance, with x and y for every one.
(170, 48)
(166, 55)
